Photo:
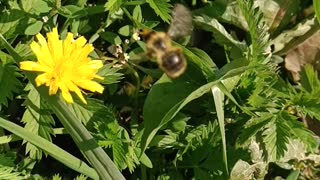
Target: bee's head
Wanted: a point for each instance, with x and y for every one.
(145, 34)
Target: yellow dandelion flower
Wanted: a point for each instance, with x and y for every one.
(65, 65)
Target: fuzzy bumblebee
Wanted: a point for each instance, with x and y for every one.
(159, 46)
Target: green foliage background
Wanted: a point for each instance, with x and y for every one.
(234, 114)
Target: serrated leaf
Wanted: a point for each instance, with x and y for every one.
(253, 127)
(110, 74)
(307, 105)
(276, 136)
(158, 112)
(95, 110)
(38, 120)
(113, 5)
(9, 83)
(161, 8)
(8, 173)
(309, 80)
(111, 135)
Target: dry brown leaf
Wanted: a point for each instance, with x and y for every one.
(307, 52)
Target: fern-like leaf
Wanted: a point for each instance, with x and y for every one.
(113, 5)
(37, 120)
(9, 83)
(276, 136)
(257, 28)
(115, 137)
(300, 132)
(161, 8)
(307, 105)
(111, 135)
(7, 167)
(309, 80)
(110, 74)
(8, 173)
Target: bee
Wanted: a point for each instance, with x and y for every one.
(159, 46)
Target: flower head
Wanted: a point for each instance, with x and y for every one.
(65, 65)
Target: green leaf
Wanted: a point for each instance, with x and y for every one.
(309, 80)
(113, 5)
(221, 35)
(111, 135)
(35, 6)
(111, 37)
(316, 7)
(34, 28)
(294, 175)
(303, 134)
(218, 97)
(97, 157)
(91, 112)
(137, 13)
(53, 150)
(253, 127)
(110, 74)
(8, 82)
(158, 112)
(161, 8)
(13, 23)
(257, 29)
(37, 119)
(125, 30)
(276, 136)
(307, 104)
(8, 173)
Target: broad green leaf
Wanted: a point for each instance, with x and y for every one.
(13, 23)
(37, 119)
(8, 82)
(221, 35)
(161, 8)
(34, 28)
(111, 37)
(169, 105)
(197, 61)
(72, 11)
(113, 5)
(125, 30)
(35, 6)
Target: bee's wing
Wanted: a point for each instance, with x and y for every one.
(181, 22)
